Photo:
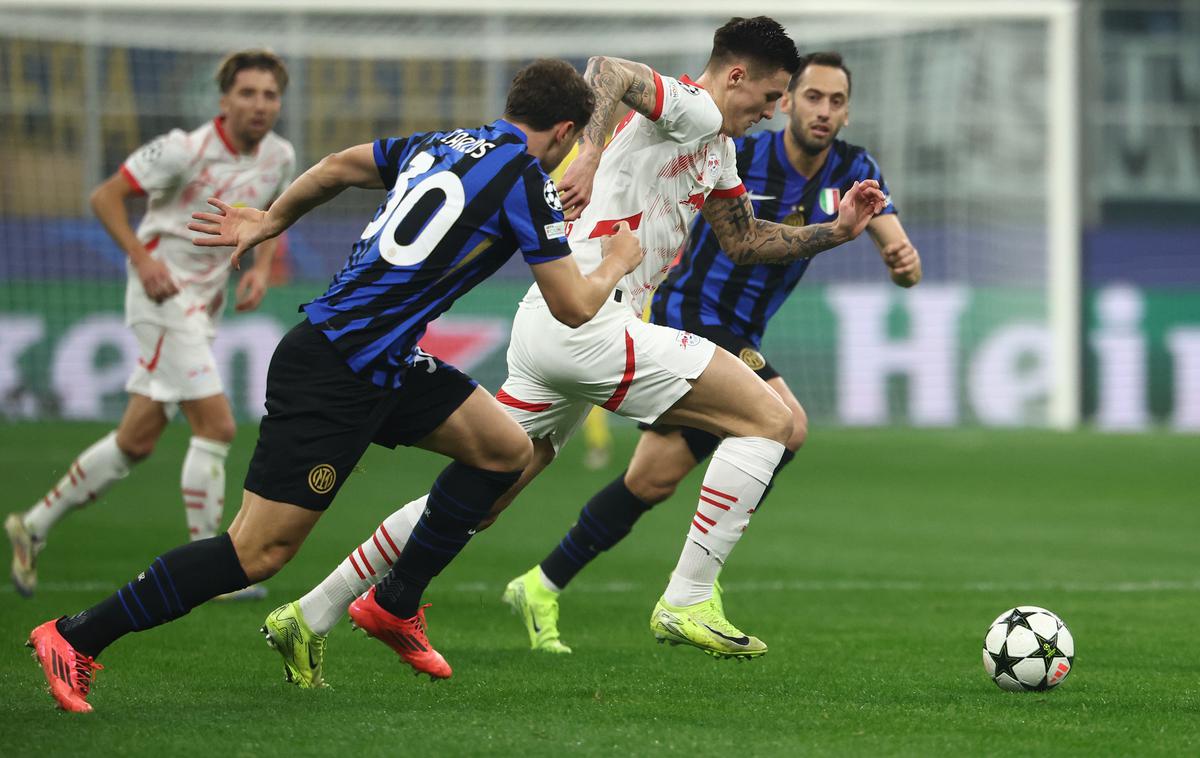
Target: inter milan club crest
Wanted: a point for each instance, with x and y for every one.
(322, 478)
(795, 217)
(830, 199)
(550, 193)
(752, 358)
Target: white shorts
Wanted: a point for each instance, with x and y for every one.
(174, 365)
(556, 374)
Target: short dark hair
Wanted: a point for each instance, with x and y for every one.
(251, 59)
(547, 92)
(761, 40)
(826, 58)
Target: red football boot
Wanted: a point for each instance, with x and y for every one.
(68, 671)
(406, 636)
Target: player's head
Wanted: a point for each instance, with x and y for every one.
(748, 71)
(818, 101)
(550, 99)
(252, 84)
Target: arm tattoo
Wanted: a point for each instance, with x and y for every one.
(612, 81)
(746, 239)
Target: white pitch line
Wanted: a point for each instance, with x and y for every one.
(798, 585)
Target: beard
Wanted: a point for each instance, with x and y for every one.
(813, 145)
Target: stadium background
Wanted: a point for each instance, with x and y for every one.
(886, 549)
(955, 109)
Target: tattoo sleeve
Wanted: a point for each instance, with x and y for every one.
(747, 239)
(614, 81)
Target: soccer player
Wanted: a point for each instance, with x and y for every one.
(459, 204)
(671, 158)
(174, 298)
(795, 176)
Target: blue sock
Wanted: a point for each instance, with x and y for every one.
(461, 497)
(606, 519)
(175, 583)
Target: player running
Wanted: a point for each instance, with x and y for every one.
(459, 204)
(670, 158)
(174, 298)
(793, 175)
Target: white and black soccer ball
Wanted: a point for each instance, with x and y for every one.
(1028, 648)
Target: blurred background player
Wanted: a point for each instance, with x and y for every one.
(794, 176)
(350, 374)
(671, 157)
(174, 298)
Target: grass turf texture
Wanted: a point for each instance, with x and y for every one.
(872, 572)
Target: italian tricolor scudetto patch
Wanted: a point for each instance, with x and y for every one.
(829, 201)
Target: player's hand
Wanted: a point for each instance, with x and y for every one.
(624, 245)
(903, 262)
(156, 279)
(250, 289)
(859, 206)
(239, 228)
(575, 188)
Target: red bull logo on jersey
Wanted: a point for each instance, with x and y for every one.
(696, 201)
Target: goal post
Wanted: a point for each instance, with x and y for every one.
(971, 108)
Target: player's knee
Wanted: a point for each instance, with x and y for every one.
(136, 447)
(261, 562)
(219, 428)
(513, 452)
(222, 431)
(651, 490)
(655, 483)
(774, 420)
(799, 430)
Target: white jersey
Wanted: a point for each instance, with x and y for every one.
(656, 174)
(179, 171)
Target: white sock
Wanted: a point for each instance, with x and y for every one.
(87, 478)
(367, 564)
(738, 473)
(203, 484)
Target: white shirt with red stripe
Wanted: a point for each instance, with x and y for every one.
(179, 171)
(656, 174)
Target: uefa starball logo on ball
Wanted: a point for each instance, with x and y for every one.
(1028, 648)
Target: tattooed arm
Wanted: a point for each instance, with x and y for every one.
(747, 239)
(615, 81)
(612, 81)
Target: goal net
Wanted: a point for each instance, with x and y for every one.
(968, 107)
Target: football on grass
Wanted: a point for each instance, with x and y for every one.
(1028, 648)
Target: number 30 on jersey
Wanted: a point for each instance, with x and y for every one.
(402, 202)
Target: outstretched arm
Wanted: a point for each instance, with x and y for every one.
(243, 228)
(613, 81)
(896, 249)
(747, 239)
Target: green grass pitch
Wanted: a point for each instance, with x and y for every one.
(872, 573)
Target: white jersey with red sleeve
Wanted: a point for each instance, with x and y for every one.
(179, 171)
(655, 174)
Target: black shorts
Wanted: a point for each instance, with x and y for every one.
(321, 416)
(741, 348)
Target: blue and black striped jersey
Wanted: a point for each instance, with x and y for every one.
(707, 288)
(459, 204)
